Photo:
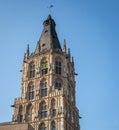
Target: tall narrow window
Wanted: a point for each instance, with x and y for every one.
(43, 110)
(42, 127)
(44, 67)
(29, 112)
(53, 108)
(32, 70)
(43, 89)
(31, 92)
(20, 114)
(58, 67)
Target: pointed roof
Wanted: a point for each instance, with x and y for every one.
(48, 39)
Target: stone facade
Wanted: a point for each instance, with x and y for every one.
(47, 99)
(11, 126)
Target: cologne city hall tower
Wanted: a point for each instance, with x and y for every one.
(48, 86)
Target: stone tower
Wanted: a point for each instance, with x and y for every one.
(47, 99)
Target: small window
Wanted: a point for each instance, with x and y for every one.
(20, 118)
(58, 85)
(43, 44)
(46, 31)
(44, 84)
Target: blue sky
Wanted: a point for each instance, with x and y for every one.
(91, 29)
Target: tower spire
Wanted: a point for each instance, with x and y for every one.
(48, 39)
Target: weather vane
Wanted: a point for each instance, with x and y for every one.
(49, 8)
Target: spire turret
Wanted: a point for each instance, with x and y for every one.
(72, 60)
(64, 48)
(26, 55)
(69, 53)
(27, 50)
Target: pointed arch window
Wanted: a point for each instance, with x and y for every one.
(42, 127)
(32, 70)
(58, 67)
(44, 67)
(43, 88)
(31, 92)
(43, 110)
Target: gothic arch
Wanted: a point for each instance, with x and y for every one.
(43, 79)
(43, 59)
(32, 62)
(58, 58)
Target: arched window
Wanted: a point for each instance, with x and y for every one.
(32, 70)
(29, 111)
(53, 108)
(58, 66)
(42, 126)
(58, 84)
(43, 110)
(20, 114)
(31, 92)
(44, 67)
(53, 126)
(43, 88)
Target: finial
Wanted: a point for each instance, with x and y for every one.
(64, 48)
(27, 50)
(69, 53)
(49, 8)
(72, 60)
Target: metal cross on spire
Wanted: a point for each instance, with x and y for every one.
(49, 8)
